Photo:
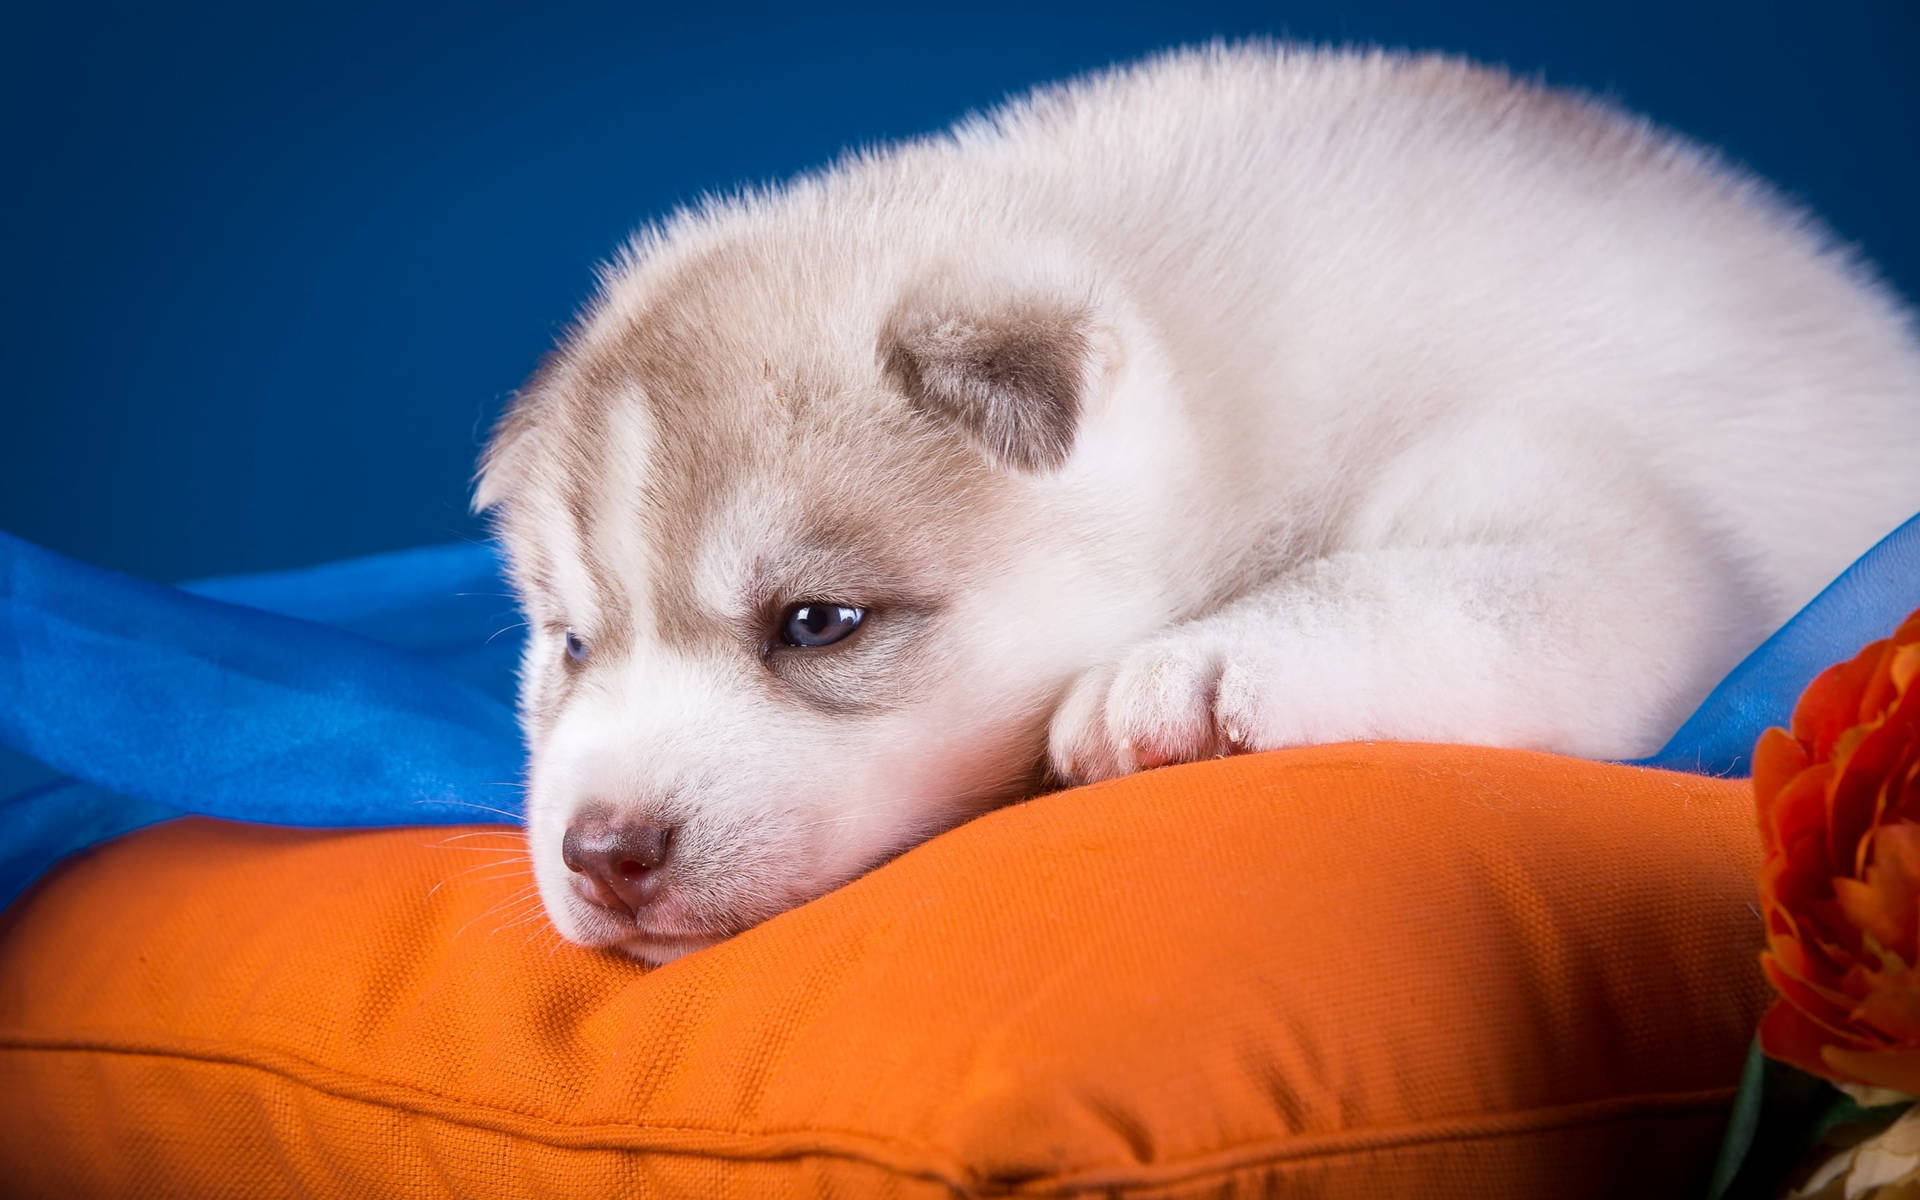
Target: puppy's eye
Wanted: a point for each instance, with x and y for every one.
(576, 647)
(818, 623)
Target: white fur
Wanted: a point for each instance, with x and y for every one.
(1423, 404)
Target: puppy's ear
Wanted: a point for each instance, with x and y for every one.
(499, 472)
(1014, 377)
(503, 462)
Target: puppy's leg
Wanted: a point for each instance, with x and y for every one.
(1595, 647)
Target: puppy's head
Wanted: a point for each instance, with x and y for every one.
(808, 545)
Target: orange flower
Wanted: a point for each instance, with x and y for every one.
(1840, 820)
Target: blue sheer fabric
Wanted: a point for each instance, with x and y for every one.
(371, 692)
(1866, 603)
(378, 692)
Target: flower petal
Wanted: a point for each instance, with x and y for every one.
(1905, 665)
(1788, 1035)
(1896, 1069)
(1893, 1011)
(1886, 903)
(1819, 1007)
(1799, 816)
(1777, 758)
(1854, 788)
(1838, 801)
(1897, 668)
(1831, 703)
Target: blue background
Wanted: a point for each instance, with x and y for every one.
(271, 270)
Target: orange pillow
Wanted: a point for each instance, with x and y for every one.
(1365, 970)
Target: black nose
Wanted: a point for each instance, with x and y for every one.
(619, 858)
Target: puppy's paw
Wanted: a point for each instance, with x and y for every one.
(1159, 703)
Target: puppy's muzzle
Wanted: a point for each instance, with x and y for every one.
(618, 859)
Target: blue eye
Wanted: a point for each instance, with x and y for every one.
(819, 623)
(576, 649)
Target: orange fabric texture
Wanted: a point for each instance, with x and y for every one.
(1339, 971)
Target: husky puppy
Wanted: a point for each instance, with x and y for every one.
(1240, 399)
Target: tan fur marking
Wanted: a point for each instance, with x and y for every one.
(1012, 377)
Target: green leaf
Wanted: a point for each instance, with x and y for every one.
(1742, 1122)
(1780, 1115)
(1847, 1112)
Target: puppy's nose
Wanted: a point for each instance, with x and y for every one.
(619, 858)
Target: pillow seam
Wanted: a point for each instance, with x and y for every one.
(914, 1158)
